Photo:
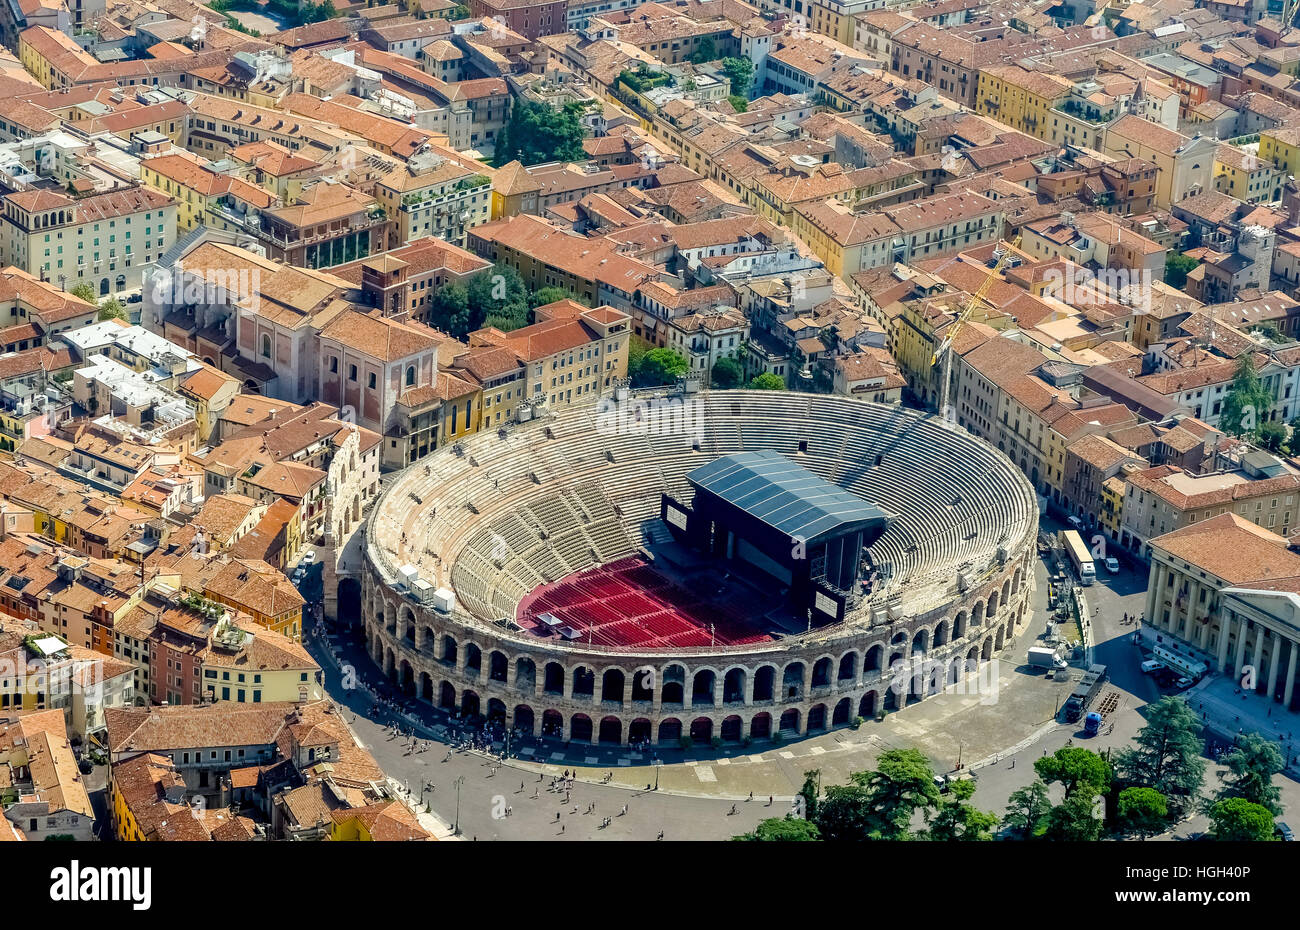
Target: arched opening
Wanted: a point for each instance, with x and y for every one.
(670, 731)
(427, 638)
(701, 730)
(406, 679)
(987, 652)
(997, 639)
(764, 682)
(731, 729)
(469, 704)
(580, 728)
(524, 720)
(874, 656)
(848, 667)
(552, 724)
(821, 676)
(972, 658)
(449, 653)
(993, 605)
(408, 626)
(426, 687)
(702, 687)
(789, 721)
(390, 665)
(959, 626)
(977, 614)
(473, 659)
(103, 291)
(525, 675)
(761, 726)
(554, 678)
(584, 682)
(349, 601)
(733, 686)
(496, 711)
(643, 684)
(611, 730)
(816, 717)
(867, 706)
(640, 730)
(674, 686)
(498, 666)
(921, 641)
(447, 696)
(121, 283)
(611, 687)
(842, 711)
(941, 634)
(792, 681)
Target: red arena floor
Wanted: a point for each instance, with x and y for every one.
(629, 604)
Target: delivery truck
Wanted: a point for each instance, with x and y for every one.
(1045, 657)
(1084, 692)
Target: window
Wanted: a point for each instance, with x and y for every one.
(266, 346)
(410, 375)
(352, 372)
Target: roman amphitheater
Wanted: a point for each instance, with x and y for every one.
(528, 575)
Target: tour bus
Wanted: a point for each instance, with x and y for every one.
(1080, 556)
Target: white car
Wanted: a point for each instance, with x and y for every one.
(1151, 666)
(1112, 565)
(1182, 683)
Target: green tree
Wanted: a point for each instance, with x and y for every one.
(1026, 808)
(1080, 771)
(740, 71)
(880, 804)
(656, 367)
(449, 310)
(459, 11)
(112, 309)
(738, 103)
(537, 133)
(782, 830)
(811, 788)
(766, 382)
(84, 291)
(549, 295)
(1073, 820)
(957, 820)
(1250, 770)
(1166, 754)
(1272, 436)
(1142, 811)
(1177, 265)
(1239, 820)
(706, 50)
(499, 292)
(727, 373)
(1246, 403)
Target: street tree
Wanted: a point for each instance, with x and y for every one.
(1142, 811)
(782, 830)
(1073, 820)
(1250, 770)
(1167, 754)
(956, 819)
(1246, 402)
(1026, 808)
(1239, 820)
(1080, 771)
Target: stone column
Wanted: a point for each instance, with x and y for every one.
(749, 686)
(1155, 594)
(1225, 623)
(568, 692)
(1257, 658)
(1241, 648)
(1290, 674)
(1274, 662)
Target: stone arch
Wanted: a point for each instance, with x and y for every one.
(408, 624)
(959, 625)
(525, 675)
(993, 603)
(731, 729)
(941, 633)
(760, 726)
(765, 683)
(670, 731)
(524, 720)
(584, 682)
(496, 710)
(425, 638)
(349, 600)
(842, 711)
(867, 705)
(977, 614)
(643, 685)
(848, 668)
(733, 686)
(1006, 591)
(580, 728)
(473, 660)
(469, 703)
(612, 684)
(702, 685)
(447, 695)
(640, 730)
(498, 666)
(449, 650)
(821, 672)
(789, 720)
(875, 656)
(986, 652)
(426, 687)
(816, 718)
(553, 678)
(1017, 580)
(552, 724)
(921, 641)
(701, 730)
(997, 637)
(792, 681)
(673, 689)
(611, 730)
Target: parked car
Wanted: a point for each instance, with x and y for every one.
(1283, 832)
(1076, 523)
(1151, 666)
(941, 782)
(1183, 682)
(1112, 565)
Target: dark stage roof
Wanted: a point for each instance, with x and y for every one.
(786, 496)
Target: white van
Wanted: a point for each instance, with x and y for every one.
(1151, 666)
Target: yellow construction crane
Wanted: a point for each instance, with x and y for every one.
(1001, 254)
